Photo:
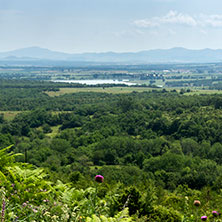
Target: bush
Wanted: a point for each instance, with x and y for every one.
(161, 213)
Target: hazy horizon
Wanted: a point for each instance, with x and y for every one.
(39, 47)
(110, 25)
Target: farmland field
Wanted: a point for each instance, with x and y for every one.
(114, 90)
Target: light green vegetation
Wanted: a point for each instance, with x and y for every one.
(55, 131)
(119, 90)
(9, 115)
(203, 91)
(114, 90)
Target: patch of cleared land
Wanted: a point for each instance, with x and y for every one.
(55, 130)
(10, 115)
(118, 90)
(203, 91)
(114, 90)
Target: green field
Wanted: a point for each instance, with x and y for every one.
(118, 90)
(9, 115)
(114, 90)
(203, 91)
(55, 131)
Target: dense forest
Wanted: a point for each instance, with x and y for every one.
(158, 151)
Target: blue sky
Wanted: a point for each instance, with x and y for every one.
(76, 26)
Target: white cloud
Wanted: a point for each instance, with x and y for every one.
(176, 18)
(211, 20)
(172, 17)
(146, 23)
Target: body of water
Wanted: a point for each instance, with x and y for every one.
(98, 81)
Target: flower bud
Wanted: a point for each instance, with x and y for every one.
(215, 213)
(196, 203)
(204, 218)
(99, 178)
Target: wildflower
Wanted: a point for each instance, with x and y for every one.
(215, 213)
(3, 210)
(204, 218)
(34, 210)
(24, 204)
(99, 178)
(196, 203)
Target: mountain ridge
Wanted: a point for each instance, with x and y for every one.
(172, 55)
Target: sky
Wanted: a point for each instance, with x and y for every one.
(76, 26)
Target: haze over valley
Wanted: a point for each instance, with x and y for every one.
(173, 55)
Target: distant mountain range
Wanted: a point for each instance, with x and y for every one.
(174, 55)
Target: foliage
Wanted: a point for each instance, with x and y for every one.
(158, 152)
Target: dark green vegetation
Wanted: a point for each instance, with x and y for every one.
(158, 151)
(163, 134)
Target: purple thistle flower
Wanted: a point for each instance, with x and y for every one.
(196, 203)
(215, 213)
(3, 211)
(204, 218)
(99, 178)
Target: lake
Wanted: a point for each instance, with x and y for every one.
(98, 81)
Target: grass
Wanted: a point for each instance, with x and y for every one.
(203, 91)
(97, 167)
(119, 90)
(10, 115)
(114, 90)
(55, 131)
